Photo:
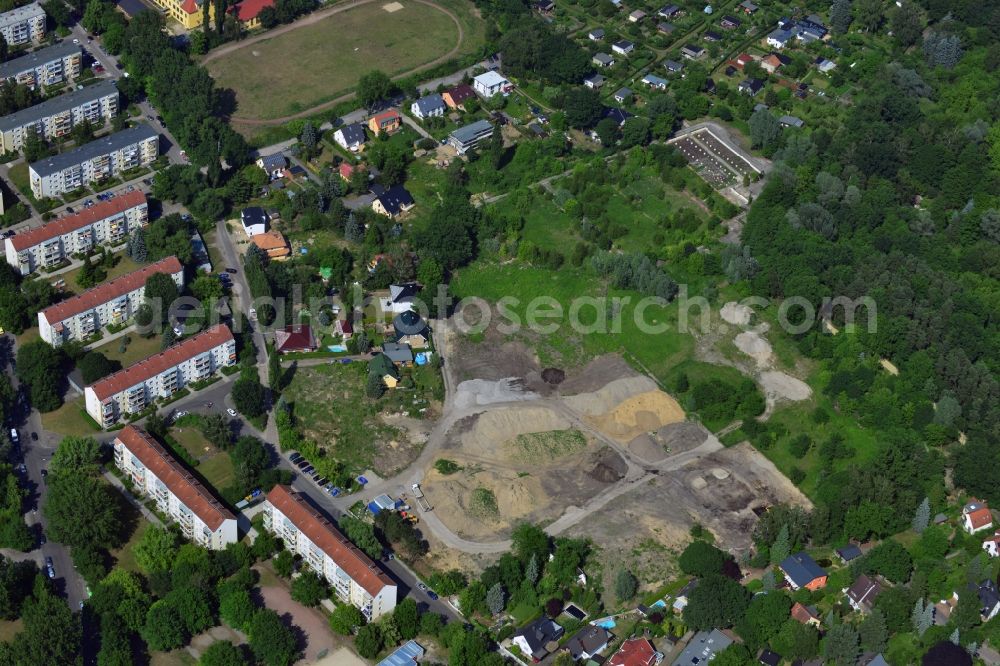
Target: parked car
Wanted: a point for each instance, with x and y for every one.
(422, 587)
(309, 469)
(231, 270)
(49, 568)
(432, 594)
(302, 464)
(34, 436)
(294, 457)
(231, 412)
(322, 481)
(13, 435)
(45, 475)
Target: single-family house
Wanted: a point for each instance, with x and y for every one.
(346, 170)
(636, 16)
(743, 59)
(989, 598)
(394, 201)
(596, 35)
(428, 106)
(603, 60)
(730, 71)
(849, 553)
(791, 121)
(410, 329)
(801, 571)
(709, 86)
(703, 648)
(491, 83)
(622, 95)
(779, 38)
(344, 328)
(401, 297)
(670, 12)
(692, 51)
(976, 516)
(825, 66)
(665, 28)
(805, 614)
(384, 368)
(294, 338)
(544, 6)
(351, 137)
(729, 22)
(400, 355)
(619, 116)
(673, 66)
(635, 652)
(623, 47)
(862, 594)
(273, 243)
(594, 81)
(386, 122)
(751, 86)
(537, 639)
(456, 97)
(681, 600)
(588, 642)
(877, 660)
(468, 137)
(711, 36)
(408, 654)
(992, 545)
(748, 7)
(760, 106)
(254, 220)
(807, 31)
(273, 165)
(769, 658)
(770, 63)
(655, 82)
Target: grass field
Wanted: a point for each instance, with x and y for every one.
(124, 265)
(214, 465)
(319, 62)
(8, 629)
(125, 556)
(70, 419)
(136, 350)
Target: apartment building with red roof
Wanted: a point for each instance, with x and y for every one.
(178, 493)
(105, 223)
(354, 577)
(131, 390)
(114, 302)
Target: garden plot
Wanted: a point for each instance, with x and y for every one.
(715, 160)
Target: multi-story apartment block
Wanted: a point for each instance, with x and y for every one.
(178, 494)
(106, 223)
(44, 67)
(131, 390)
(354, 577)
(56, 117)
(104, 158)
(23, 24)
(114, 302)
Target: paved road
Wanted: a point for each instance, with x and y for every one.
(36, 456)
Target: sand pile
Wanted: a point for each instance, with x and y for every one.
(517, 496)
(603, 400)
(756, 347)
(475, 392)
(501, 425)
(780, 385)
(734, 313)
(640, 414)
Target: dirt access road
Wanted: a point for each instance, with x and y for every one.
(311, 19)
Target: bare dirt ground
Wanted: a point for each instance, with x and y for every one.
(718, 491)
(315, 636)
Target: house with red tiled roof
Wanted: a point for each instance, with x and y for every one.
(114, 302)
(187, 12)
(138, 386)
(353, 576)
(976, 516)
(805, 614)
(273, 244)
(294, 338)
(770, 63)
(347, 170)
(178, 494)
(248, 12)
(635, 652)
(456, 97)
(387, 121)
(992, 545)
(106, 223)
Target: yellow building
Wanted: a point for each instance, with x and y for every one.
(187, 12)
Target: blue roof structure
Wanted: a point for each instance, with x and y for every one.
(849, 552)
(801, 569)
(430, 103)
(406, 655)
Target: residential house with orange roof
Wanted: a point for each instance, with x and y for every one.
(636, 652)
(976, 516)
(801, 571)
(387, 121)
(106, 223)
(178, 494)
(248, 12)
(456, 97)
(114, 302)
(131, 390)
(805, 614)
(273, 244)
(770, 63)
(992, 545)
(354, 577)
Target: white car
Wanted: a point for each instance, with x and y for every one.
(76, 41)
(231, 412)
(180, 414)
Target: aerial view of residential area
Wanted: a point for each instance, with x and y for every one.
(499, 332)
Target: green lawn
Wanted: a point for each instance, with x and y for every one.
(18, 175)
(123, 264)
(314, 63)
(125, 556)
(214, 465)
(70, 419)
(137, 349)
(9, 628)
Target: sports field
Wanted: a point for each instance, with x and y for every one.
(315, 62)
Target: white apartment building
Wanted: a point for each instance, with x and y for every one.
(23, 24)
(354, 577)
(44, 67)
(131, 390)
(105, 223)
(114, 302)
(100, 159)
(178, 494)
(56, 117)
